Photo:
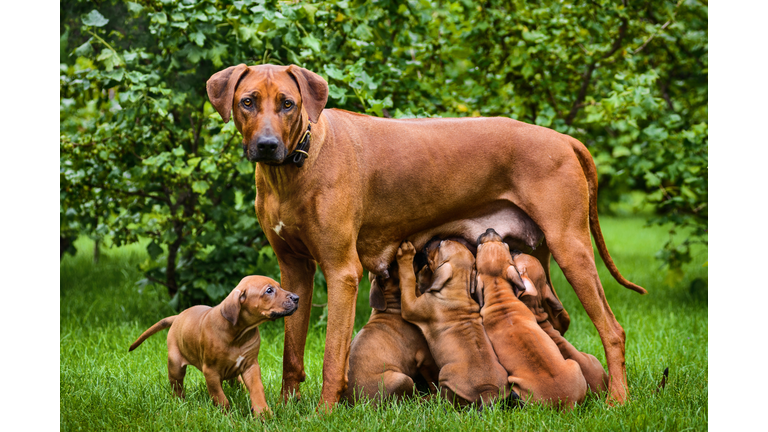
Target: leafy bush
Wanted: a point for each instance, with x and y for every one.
(144, 155)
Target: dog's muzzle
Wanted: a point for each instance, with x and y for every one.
(269, 149)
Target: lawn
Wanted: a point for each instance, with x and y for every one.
(104, 387)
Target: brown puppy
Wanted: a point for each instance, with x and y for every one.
(536, 368)
(540, 300)
(223, 341)
(388, 353)
(450, 321)
(346, 195)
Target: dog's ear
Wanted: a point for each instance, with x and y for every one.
(473, 282)
(479, 291)
(221, 88)
(424, 279)
(557, 313)
(314, 91)
(442, 275)
(376, 295)
(230, 307)
(513, 277)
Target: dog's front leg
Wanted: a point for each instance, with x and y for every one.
(297, 276)
(343, 279)
(213, 381)
(252, 379)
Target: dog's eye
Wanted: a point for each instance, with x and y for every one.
(287, 104)
(269, 290)
(247, 102)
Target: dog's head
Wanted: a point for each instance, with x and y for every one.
(257, 299)
(271, 106)
(384, 288)
(539, 296)
(494, 260)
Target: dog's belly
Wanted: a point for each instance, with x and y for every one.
(377, 247)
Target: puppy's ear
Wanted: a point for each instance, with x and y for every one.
(473, 281)
(221, 88)
(230, 307)
(559, 316)
(314, 91)
(442, 275)
(376, 295)
(513, 277)
(479, 291)
(424, 279)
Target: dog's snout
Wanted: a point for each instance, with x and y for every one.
(294, 298)
(267, 144)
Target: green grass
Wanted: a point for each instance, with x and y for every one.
(103, 387)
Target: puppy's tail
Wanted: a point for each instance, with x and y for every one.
(590, 172)
(160, 325)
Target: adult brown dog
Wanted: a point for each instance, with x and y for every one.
(536, 368)
(540, 299)
(388, 351)
(450, 320)
(223, 341)
(347, 195)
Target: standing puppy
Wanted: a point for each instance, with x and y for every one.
(536, 368)
(540, 300)
(223, 341)
(388, 353)
(450, 321)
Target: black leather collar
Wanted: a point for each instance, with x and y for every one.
(301, 152)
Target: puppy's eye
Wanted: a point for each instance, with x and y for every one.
(247, 102)
(288, 104)
(269, 290)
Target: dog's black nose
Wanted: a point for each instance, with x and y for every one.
(267, 144)
(294, 298)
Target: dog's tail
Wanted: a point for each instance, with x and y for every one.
(590, 172)
(160, 325)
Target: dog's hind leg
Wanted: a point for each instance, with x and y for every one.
(177, 369)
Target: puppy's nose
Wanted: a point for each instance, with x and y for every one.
(267, 144)
(294, 298)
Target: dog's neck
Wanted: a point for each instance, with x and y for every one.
(283, 180)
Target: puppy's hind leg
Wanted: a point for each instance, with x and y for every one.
(397, 384)
(177, 369)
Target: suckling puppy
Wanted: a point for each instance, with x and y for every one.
(536, 368)
(450, 321)
(540, 300)
(388, 353)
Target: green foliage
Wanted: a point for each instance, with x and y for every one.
(143, 154)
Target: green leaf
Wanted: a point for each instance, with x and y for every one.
(154, 250)
(200, 186)
(134, 7)
(311, 42)
(94, 19)
(84, 49)
(620, 151)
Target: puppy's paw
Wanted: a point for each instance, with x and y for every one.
(405, 253)
(261, 412)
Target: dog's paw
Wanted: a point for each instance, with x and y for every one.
(262, 413)
(405, 253)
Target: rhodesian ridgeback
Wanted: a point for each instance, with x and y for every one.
(223, 341)
(540, 300)
(537, 370)
(388, 353)
(342, 190)
(450, 320)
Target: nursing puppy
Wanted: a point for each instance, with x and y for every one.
(540, 300)
(223, 341)
(537, 370)
(450, 321)
(388, 353)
